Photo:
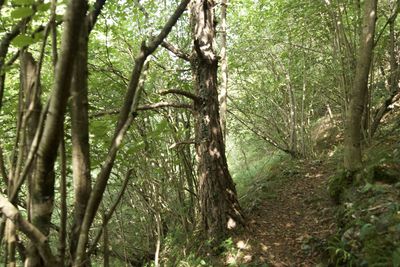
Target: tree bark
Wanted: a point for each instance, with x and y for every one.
(126, 116)
(63, 205)
(223, 95)
(80, 137)
(42, 187)
(34, 234)
(352, 149)
(30, 83)
(220, 209)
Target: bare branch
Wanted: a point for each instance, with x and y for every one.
(32, 152)
(176, 51)
(164, 105)
(194, 97)
(144, 108)
(92, 16)
(142, 9)
(188, 142)
(13, 59)
(111, 210)
(167, 28)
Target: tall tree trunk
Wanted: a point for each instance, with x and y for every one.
(30, 83)
(220, 209)
(80, 136)
(62, 235)
(127, 114)
(80, 125)
(43, 178)
(292, 121)
(223, 95)
(106, 249)
(352, 149)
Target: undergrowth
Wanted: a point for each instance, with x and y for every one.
(259, 175)
(368, 213)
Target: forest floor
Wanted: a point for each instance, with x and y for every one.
(290, 226)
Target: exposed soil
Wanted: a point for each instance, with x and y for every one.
(291, 229)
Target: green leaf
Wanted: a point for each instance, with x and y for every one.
(396, 257)
(38, 36)
(366, 231)
(21, 12)
(24, 2)
(44, 7)
(22, 40)
(59, 18)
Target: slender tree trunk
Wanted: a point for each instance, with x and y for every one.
(223, 96)
(30, 83)
(36, 236)
(106, 250)
(127, 114)
(393, 78)
(292, 121)
(63, 205)
(2, 82)
(80, 137)
(43, 176)
(220, 209)
(352, 149)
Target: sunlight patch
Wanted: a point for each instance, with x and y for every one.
(231, 224)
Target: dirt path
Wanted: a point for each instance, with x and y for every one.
(287, 230)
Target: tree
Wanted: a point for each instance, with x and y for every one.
(220, 209)
(353, 128)
(223, 95)
(42, 188)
